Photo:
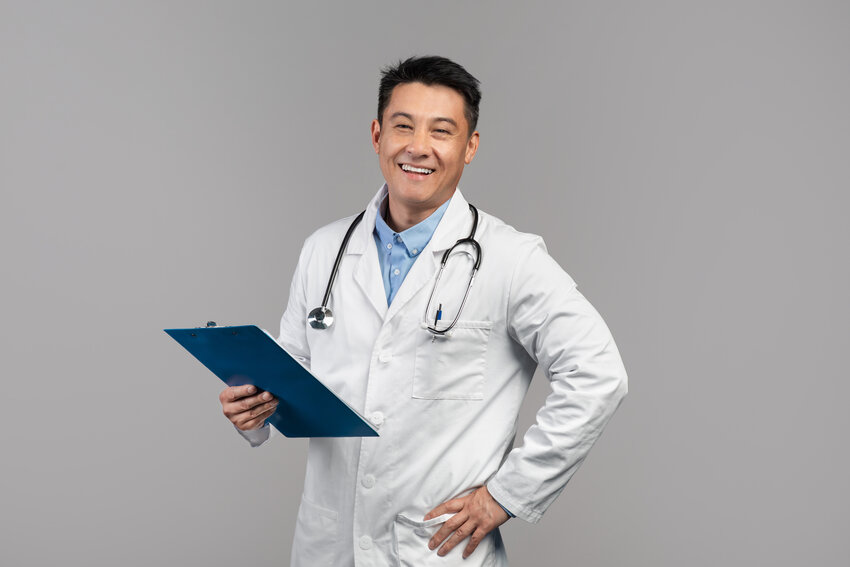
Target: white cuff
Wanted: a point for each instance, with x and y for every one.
(256, 437)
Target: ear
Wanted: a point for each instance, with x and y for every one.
(471, 148)
(376, 135)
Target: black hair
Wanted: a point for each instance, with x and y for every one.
(431, 70)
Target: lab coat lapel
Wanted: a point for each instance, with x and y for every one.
(450, 229)
(367, 271)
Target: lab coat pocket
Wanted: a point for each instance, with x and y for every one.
(315, 536)
(452, 367)
(410, 540)
(410, 543)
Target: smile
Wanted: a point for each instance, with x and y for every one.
(422, 170)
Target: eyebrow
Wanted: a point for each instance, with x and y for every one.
(410, 117)
(449, 120)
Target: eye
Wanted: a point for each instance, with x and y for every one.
(401, 126)
(442, 132)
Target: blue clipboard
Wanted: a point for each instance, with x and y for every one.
(249, 355)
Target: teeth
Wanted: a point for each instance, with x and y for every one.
(412, 169)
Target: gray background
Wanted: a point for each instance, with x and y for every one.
(687, 163)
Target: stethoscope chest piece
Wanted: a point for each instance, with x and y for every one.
(321, 318)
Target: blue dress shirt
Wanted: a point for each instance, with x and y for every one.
(397, 251)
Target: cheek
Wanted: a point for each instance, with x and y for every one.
(388, 150)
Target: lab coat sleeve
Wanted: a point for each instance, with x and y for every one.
(569, 340)
(256, 437)
(293, 324)
(292, 336)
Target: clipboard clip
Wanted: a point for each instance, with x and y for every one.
(209, 325)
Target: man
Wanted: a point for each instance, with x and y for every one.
(433, 488)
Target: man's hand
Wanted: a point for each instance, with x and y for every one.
(476, 515)
(244, 409)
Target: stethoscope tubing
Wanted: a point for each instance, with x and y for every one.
(468, 240)
(339, 255)
(322, 317)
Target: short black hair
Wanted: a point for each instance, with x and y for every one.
(431, 70)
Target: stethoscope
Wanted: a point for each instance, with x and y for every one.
(322, 317)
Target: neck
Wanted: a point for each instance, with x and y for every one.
(400, 218)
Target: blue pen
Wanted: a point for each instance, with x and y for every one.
(439, 315)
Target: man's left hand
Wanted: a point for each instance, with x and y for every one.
(475, 516)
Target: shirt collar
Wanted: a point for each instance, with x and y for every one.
(414, 238)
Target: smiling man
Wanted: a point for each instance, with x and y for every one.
(438, 365)
(423, 148)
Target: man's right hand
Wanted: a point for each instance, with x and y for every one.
(246, 407)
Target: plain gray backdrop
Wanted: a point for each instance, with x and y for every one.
(686, 162)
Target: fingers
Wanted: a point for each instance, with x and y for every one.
(476, 538)
(258, 421)
(249, 403)
(467, 528)
(232, 406)
(254, 417)
(463, 532)
(453, 524)
(476, 515)
(233, 393)
(244, 410)
(452, 506)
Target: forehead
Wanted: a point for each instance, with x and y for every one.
(426, 102)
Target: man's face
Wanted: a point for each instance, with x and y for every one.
(423, 144)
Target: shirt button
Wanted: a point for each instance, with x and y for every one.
(365, 543)
(368, 481)
(415, 251)
(377, 418)
(396, 271)
(385, 356)
(389, 244)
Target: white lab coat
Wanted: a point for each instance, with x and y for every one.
(446, 408)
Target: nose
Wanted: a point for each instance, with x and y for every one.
(419, 144)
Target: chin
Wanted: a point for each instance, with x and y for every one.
(411, 194)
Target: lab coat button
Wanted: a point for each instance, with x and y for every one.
(368, 481)
(385, 356)
(377, 418)
(365, 542)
